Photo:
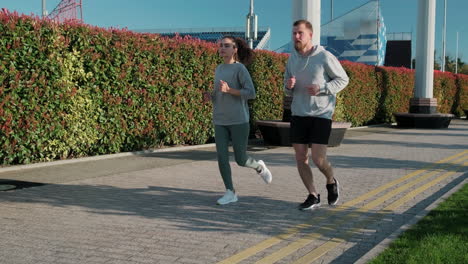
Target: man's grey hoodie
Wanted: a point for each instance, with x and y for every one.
(319, 67)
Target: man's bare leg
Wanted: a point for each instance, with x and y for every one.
(302, 161)
(319, 157)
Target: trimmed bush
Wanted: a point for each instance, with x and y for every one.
(359, 101)
(397, 90)
(445, 90)
(461, 102)
(267, 74)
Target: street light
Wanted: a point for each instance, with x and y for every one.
(456, 56)
(444, 30)
(44, 9)
(251, 26)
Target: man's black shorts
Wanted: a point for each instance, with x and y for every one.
(310, 130)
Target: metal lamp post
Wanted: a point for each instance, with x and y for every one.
(444, 34)
(456, 57)
(251, 30)
(44, 9)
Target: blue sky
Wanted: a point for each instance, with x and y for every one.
(399, 16)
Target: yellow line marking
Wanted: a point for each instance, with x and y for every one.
(324, 248)
(291, 248)
(412, 194)
(400, 180)
(294, 230)
(304, 241)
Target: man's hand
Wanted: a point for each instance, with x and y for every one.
(313, 89)
(291, 82)
(224, 87)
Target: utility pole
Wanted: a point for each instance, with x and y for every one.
(331, 10)
(44, 9)
(456, 57)
(251, 31)
(444, 36)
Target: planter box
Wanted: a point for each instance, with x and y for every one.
(276, 132)
(410, 120)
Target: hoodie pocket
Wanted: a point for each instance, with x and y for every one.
(322, 102)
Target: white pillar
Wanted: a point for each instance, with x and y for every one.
(308, 10)
(425, 49)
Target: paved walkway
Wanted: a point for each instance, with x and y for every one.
(160, 207)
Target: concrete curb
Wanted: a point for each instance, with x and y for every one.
(379, 248)
(101, 157)
(373, 126)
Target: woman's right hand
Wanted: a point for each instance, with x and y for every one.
(291, 82)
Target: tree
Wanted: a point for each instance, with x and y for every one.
(450, 64)
(436, 65)
(464, 69)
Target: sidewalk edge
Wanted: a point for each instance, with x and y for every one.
(101, 157)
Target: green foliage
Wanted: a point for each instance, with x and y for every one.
(72, 90)
(461, 101)
(32, 96)
(267, 74)
(445, 90)
(397, 90)
(359, 101)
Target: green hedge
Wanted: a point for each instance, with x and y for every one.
(148, 88)
(397, 89)
(461, 101)
(359, 101)
(35, 93)
(71, 90)
(267, 72)
(445, 90)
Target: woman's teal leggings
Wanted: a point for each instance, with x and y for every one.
(239, 135)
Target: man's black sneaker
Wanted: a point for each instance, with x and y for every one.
(333, 192)
(310, 203)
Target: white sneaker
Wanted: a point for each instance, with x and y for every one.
(229, 197)
(265, 172)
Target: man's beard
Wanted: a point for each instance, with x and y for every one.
(299, 45)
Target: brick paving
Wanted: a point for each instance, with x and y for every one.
(160, 207)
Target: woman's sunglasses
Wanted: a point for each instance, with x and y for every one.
(226, 45)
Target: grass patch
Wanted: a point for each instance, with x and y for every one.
(440, 237)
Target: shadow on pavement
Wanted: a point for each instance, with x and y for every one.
(188, 209)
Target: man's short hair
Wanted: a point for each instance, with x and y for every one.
(307, 24)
